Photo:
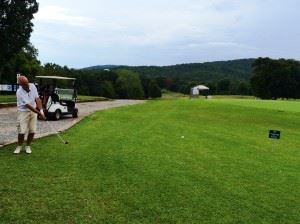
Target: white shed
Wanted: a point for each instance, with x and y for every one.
(196, 90)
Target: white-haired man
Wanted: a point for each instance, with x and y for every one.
(27, 102)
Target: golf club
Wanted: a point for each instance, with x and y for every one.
(56, 132)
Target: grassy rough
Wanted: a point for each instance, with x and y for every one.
(131, 165)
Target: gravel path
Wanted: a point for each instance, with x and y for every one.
(8, 118)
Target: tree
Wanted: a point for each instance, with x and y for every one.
(276, 78)
(145, 83)
(128, 85)
(107, 90)
(243, 88)
(15, 27)
(153, 89)
(212, 87)
(24, 62)
(223, 86)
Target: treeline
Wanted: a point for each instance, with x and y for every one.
(240, 69)
(274, 79)
(222, 77)
(123, 81)
(223, 86)
(137, 82)
(270, 79)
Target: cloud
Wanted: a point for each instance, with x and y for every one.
(164, 31)
(58, 15)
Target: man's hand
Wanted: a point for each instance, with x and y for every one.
(42, 115)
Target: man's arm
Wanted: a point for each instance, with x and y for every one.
(39, 103)
(40, 106)
(33, 109)
(38, 111)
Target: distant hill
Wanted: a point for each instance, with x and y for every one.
(101, 67)
(240, 69)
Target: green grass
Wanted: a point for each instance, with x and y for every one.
(91, 98)
(166, 94)
(8, 98)
(131, 165)
(277, 105)
(232, 97)
(12, 98)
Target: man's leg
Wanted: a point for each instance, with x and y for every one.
(28, 142)
(20, 139)
(22, 126)
(20, 143)
(32, 130)
(32, 127)
(29, 138)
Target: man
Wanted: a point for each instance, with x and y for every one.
(27, 101)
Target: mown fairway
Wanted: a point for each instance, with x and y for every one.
(132, 165)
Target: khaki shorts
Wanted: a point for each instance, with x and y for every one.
(26, 121)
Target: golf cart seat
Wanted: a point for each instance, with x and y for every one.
(67, 103)
(55, 97)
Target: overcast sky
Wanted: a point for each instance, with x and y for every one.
(80, 33)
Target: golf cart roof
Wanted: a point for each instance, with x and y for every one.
(55, 77)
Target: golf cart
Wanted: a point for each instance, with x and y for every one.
(57, 101)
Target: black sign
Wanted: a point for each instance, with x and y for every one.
(274, 134)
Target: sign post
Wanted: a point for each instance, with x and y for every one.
(274, 134)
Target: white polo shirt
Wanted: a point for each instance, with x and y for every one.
(24, 97)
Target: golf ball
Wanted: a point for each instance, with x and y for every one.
(182, 136)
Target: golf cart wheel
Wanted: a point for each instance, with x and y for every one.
(75, 113)
(57, 115)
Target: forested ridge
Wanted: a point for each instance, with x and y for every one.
(240, 69)
(223, 77)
